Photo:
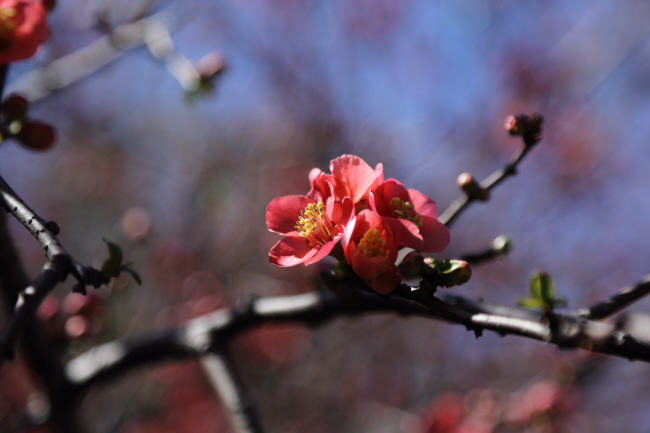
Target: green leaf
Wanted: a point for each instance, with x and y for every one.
(531, 303)
(547, 289)
(114, 252)
(111, 269)
(542, 287)
(134, 274)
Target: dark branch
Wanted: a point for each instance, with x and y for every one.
(240, 404)
(351, 297)
(59, 265)
(29, 300)
(625, 297)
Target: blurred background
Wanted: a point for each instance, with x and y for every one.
(182, 183)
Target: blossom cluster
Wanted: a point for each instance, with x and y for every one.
(355, 207)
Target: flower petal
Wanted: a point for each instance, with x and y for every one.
(283, 213)
(290, 251)
(322, 251)
(423, 204)
(435, 235)
(355, 173)
(405, 233)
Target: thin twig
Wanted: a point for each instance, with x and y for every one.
(459, 205)
(624, 298)
(241, 405)
(75, 66)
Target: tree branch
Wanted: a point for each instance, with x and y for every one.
(75, 66)
(59, 265)
(224, 378)
(350, 297)
(459, 205)
(624, 298)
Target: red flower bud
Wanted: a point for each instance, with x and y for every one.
(14, 108)
(37, 135)
(472, 188)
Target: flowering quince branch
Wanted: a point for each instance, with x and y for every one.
(530, 129)
(370, 216)
(345, 297)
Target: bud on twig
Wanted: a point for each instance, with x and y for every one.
(472, 188)
(529, 128)
(412, 265)
(502, 244)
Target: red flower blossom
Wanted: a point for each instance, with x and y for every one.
(23, 29)
(411, 216)
(370, 249)
(312, 228)
(351, 177)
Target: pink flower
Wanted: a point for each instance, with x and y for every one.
(370, 249)
(411, 216)
(312, 228)
(23, 29)
(351, 177)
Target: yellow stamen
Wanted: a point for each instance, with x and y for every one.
(372, 245)
(402, 209)
(314, 225)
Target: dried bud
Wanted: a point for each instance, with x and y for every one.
(210, 65)
(472, 188)
(412, 265)
(14, 108)
(37, 135)
(459, 272)
(529, 128)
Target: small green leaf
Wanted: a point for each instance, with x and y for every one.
(547, 288)
(134, 274)
(542, 287)
(531, 303)
(114, 251)
(111, 269)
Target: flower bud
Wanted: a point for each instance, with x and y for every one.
(502, 244)
(387, 281)
(211, 64)
(412, 265)
(515, 124)
(37, 135)
(458, 273)
(14, 108)
(529, 128)
(472, 188)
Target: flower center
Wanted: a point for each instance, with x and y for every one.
(372, 245)
(402, 209)
(314, 225)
